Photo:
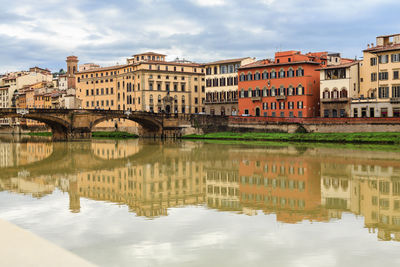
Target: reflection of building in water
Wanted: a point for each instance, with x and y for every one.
(148, 189)
(6, 155)
(379, 201)
(34, 152)
(372, 191)
(223, 185)
(12, 154)
(114, 150)
(287, 186)
(37, 187)
(336, 188)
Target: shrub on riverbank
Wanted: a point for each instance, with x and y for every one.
(372, 138)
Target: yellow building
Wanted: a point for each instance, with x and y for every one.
(146, 83)
(222, 85)
(380, 83)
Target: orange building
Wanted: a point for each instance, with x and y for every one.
(287, 86)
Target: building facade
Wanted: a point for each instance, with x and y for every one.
(338, 85)
(222, 86)
(287, 86)
(146, 83)
(380, 80)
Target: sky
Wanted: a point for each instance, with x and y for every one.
(43, 33)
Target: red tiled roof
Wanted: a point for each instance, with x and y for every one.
(343, 65)
(104, 68)
(261, 63)
(382, 48)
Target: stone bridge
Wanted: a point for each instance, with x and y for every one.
(68, 124)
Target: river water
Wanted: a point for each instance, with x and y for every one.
(184, 203)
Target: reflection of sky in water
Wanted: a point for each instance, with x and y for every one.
(292, 186)
(107, 234)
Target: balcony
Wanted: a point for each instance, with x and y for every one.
(256, 98)
(221, 101)
(395, 100)
(334, 100)
(280, 97)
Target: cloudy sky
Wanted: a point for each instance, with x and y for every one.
(106, 32)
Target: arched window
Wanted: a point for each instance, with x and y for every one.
(281, 90)
(242, 93)
(300, 90)
(343, 93)
(250, 92)
(257, 92)
(273, 91)
(265, 91)
(257, 76)
(281, 73)
(300, 72)
(159, 99)
(325, 94)
(290, 72)
(175, 99)
(242, 77)
(290, 90)
(249, 76)
(183, 99)
(273, 74)
(265, 75)
(335, 93)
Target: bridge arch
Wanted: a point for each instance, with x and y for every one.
(58, 126)
(148, 122)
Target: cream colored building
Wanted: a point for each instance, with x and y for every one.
(380, 80)
(222, 85)
(12, 82)
(339, 84)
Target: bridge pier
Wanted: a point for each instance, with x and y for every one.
(62, 134)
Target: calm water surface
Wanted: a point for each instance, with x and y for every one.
(143, 203)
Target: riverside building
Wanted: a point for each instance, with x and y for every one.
(339, 84)
(147, 82)
(222, 86)
(380, 80)
(287, 86)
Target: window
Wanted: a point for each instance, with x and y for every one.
(265, 105)
(395, 75)
(273, 74)
(383, 92)
(373, 61)
(395, 57)
(299, 90)
(299, 104)
(281, 73)
(300, 72)
(373, 76)
(249, 77)
(265, 75)
(383, 76)
(383, 59)
(335, 74)
(396, 91)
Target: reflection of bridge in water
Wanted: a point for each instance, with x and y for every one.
(293, 183)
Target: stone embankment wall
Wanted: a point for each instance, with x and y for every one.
(207, 124)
